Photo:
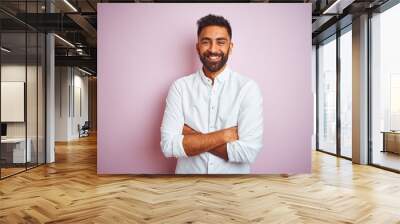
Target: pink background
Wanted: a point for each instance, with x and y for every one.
(142, 48)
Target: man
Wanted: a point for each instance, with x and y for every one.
(213, 120)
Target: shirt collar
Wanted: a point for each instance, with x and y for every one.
(221, 77)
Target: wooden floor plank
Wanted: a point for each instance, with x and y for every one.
(70, 191)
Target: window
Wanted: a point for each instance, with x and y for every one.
(385, 88)
(327, 96)
(346, 93)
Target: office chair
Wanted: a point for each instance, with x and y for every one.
(84, 130)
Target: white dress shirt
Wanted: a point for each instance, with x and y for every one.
(233, 100)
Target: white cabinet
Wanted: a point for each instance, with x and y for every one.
(18, 149)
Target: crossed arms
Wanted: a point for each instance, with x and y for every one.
(195, 143)
(236, 144)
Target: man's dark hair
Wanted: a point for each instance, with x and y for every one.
(213, 20)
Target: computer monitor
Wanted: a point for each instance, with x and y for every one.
(3, 129)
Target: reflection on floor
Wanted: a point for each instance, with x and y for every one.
(11, 169)
(346, 152)
(386, 159)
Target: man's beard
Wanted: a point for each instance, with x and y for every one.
(214, 66)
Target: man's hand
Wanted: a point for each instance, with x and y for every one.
(228, 135)
(188, 130)
(231, 134)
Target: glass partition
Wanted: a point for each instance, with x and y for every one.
(32, 95)
(41, 107)
(13, 111)
(22, 77)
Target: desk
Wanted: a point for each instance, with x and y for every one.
(391, 141)
(15, 148)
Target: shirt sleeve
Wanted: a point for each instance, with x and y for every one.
(250, 127)
(172, 124)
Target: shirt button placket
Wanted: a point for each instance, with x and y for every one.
(212, 109)
(211, 125)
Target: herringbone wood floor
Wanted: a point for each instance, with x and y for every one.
(70, 191)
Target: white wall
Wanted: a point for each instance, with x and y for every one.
(70, 84)
(62, 81)
(15, 72)
(80, 83)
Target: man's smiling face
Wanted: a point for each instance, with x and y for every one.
(214, 46)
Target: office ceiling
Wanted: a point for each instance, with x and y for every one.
(76, 22)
